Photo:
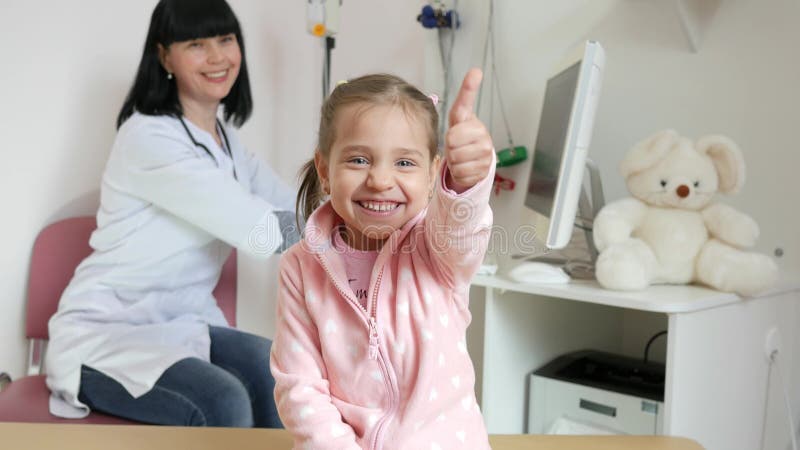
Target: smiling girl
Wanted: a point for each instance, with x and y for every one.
(370, 349)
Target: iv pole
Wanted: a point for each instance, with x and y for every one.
(322, 20)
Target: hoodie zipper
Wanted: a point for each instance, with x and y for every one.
(373, 325)
(389, 380)
(374, 349)
(374, 352)
(373, 339)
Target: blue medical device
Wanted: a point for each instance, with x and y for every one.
(431, 17)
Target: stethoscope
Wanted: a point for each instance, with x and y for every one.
(226, 148)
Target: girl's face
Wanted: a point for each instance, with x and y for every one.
(379, 173)
(204, 69)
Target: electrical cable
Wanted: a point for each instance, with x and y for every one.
(582, 227)
(766, 405)
(579, 269)
(485, 52)
(650, 342)
(787, 401)
(496, 81)
(447, 59)
(491, 96)
(489, 47)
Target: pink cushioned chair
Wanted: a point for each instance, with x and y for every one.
(58, 250)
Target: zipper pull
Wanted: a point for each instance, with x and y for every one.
(373, 339)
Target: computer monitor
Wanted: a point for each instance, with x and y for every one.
(565, 130)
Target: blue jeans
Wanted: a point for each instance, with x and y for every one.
(233, 390)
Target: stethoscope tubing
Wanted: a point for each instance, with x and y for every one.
(227, 146)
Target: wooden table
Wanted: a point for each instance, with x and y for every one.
(30, 436)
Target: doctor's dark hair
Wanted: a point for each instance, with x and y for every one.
(182, 20)
(368, 90)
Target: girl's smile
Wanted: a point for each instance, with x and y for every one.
(379, 172)
(379, 208)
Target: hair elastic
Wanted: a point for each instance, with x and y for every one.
(434, 98)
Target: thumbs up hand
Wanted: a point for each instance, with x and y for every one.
(468, 145)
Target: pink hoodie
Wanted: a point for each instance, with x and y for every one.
(397, 374)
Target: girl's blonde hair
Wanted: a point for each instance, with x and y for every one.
(370, 90)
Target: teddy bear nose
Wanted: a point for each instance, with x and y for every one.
(682, 191)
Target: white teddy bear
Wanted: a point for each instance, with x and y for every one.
(671, 232)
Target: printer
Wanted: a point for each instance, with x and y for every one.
(594, 392)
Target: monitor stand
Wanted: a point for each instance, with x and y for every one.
(589, 205)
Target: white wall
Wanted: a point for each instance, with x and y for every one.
(66, 68)
(741, 82)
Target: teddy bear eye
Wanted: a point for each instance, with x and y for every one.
(696, 184)
(663, 183)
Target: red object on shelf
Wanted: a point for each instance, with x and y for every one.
(502, 183)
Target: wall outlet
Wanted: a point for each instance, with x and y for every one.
(772, 343)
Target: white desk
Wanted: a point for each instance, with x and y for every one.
(716, 370)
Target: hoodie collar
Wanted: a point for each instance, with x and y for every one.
(318, 232)
(318, 240)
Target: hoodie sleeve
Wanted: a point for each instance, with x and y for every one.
(302, 391)
(457, 230)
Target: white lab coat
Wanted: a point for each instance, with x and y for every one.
(169, 214)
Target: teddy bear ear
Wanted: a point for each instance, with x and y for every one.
(648, 152)
(728, 160)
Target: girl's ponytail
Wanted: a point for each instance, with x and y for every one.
(310, 195)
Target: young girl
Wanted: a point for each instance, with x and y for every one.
(370, 350)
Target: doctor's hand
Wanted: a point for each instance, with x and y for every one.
(469, 151)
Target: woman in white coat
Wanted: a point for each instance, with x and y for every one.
(138, 333)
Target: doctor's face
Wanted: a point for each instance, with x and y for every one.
(204, 69)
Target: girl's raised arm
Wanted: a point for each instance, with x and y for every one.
(459, 220)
